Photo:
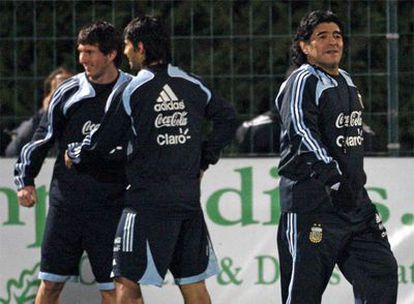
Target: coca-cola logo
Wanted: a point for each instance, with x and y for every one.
(177, 119)
(88, 127)
(352, 120)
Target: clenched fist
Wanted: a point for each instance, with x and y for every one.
(27, 196)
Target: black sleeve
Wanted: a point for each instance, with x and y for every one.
(32, 154)
(224, 124)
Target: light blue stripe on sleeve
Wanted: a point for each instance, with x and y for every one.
(143, 77)
(173, 71)
(299, 125)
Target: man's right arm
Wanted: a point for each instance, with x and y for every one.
(299, 114)
(32, 155)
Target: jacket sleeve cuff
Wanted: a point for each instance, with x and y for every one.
(26, 182)
(74, 151)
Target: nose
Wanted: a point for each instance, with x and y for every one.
(332, 39)
(82, 58)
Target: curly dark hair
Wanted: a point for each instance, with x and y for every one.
(103, 35)
(305, 30)
(151, 32)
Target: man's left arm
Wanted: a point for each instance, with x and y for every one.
(224, 124)
(102, 141)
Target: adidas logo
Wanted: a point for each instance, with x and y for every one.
(168, 101)
(167, 94)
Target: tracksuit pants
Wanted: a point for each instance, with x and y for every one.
(310, 245)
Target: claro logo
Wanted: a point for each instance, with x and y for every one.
(177, 139)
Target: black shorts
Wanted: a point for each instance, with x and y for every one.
(68, 233)
(148, 244)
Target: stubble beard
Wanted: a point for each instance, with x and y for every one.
(135, 66)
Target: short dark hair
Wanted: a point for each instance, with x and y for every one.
(104, 35)
(152, 33)
(305, 30)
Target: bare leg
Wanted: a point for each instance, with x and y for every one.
(49, 292)
(195, 293)
(128, 292)
(108, 296)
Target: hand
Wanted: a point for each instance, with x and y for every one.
(68, 161)
(27, 196)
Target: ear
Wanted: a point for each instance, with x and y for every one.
(112, 55)
(141, 48)
(304, 47)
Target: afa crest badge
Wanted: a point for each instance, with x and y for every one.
(315, 234)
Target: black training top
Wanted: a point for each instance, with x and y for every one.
(321, 140)
(163, 109)
(76, 109)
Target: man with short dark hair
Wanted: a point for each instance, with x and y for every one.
(84, 204)
(327, 217)
(163, 109)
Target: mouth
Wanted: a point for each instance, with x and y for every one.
(332, 52)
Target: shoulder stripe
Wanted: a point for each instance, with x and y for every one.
(347, 78)
(122, 80)
(173, 71)
(85, 90)
(281, 89)
(143, 77)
